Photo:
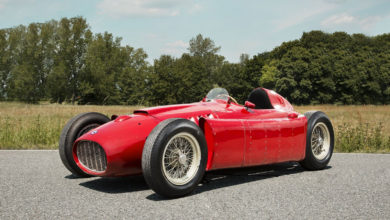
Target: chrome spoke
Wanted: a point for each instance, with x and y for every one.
(181, 158)
(320, 141)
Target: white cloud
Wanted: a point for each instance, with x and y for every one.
(176, 48)
(143, 8)
(338, 19)
(303, 14)
(344, 19)
(195, 8)
(369, 22)
(337, 1)
(178, 43)
(2, 3)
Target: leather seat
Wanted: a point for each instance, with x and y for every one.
(260, 98)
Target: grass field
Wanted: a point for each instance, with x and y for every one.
(358, 128)
(24, 126)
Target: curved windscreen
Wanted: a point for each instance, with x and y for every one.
(217, 93)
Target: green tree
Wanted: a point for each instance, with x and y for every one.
(13, 39)
(72, 38)
(202, 47)
(231, 76)
(269, 72)
(5, 66)
(165, 81)
(23, 84)
(134, 78)
(251, 73)
(63, 61)
(188, 78)
(28, 76)
(103, 64)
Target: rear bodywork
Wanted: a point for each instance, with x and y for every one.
(236, 136)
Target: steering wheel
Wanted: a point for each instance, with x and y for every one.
(230, 99)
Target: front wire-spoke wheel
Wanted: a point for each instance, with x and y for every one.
(174, 157)
(181, 158)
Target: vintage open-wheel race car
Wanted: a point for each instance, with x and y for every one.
(173, 146)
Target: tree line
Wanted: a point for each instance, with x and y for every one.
(63, 61)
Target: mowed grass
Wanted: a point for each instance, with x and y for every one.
(24, 126)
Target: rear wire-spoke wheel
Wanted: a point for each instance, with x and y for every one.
(319, 141)
(174, 157)
(74, 129)
(181, 158)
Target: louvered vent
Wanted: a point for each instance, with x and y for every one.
(92, 156)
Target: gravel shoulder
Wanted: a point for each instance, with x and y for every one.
(35, 185)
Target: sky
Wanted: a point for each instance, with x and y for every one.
(241, 26)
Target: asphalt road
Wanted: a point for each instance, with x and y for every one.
(35, 185)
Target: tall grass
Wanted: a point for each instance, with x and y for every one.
(23, 126)
(36, 133)
(363, 137)
(363, 128)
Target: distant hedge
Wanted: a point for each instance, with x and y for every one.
(63, 61)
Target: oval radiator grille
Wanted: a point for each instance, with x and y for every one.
(92, 156)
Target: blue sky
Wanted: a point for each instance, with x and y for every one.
(246, 26)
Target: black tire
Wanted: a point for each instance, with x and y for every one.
(76, 127)
(152, 156)
(311, 161)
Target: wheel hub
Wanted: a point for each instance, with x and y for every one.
(182, 158)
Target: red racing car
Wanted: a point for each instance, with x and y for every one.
(173, 146)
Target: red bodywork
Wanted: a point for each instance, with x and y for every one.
(236, 135)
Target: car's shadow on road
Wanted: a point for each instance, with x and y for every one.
(231, 177)
(117, 184)
(213, 180)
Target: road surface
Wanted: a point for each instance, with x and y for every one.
(35, 185)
